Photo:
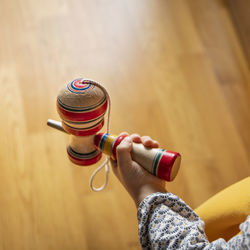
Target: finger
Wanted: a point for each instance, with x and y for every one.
(124, 133)
(123, 152)
(114, 167)
(113, 163)
(147, 141)
(135, 138)
(155, 144)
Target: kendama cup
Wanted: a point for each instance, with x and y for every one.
(82, 105)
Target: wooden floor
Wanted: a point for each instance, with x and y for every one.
(175, 70)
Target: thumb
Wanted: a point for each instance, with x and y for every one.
(123, 151)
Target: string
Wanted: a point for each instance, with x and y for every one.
(107, 160)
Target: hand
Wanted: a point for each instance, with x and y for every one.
(138, 182)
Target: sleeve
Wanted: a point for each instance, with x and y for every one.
(167, 222)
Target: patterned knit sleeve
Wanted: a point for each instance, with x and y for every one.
(167, 222)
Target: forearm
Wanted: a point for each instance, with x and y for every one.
(167, 222)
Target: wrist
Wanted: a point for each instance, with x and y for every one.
(146, 190)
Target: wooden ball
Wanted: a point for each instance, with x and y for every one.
(82, 105)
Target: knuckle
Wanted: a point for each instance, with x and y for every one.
(123, 133)
(121, 148)
(135, 135)
(146, 138)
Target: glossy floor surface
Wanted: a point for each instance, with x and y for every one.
(175, 70)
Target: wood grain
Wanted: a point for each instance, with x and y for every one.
(240, 11)
(175, 70)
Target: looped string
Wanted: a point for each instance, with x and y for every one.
(106, 165)
(107, 160)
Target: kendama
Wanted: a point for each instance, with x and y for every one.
(82, 105)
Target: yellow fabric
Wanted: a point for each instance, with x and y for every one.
(225, 211)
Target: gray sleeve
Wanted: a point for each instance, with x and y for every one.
(167, 222)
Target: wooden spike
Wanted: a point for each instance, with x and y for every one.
(56, 124)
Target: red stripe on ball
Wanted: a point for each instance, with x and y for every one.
(82, 116)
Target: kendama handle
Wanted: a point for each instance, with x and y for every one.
(159, 162)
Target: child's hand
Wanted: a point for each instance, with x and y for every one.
(138, 182)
